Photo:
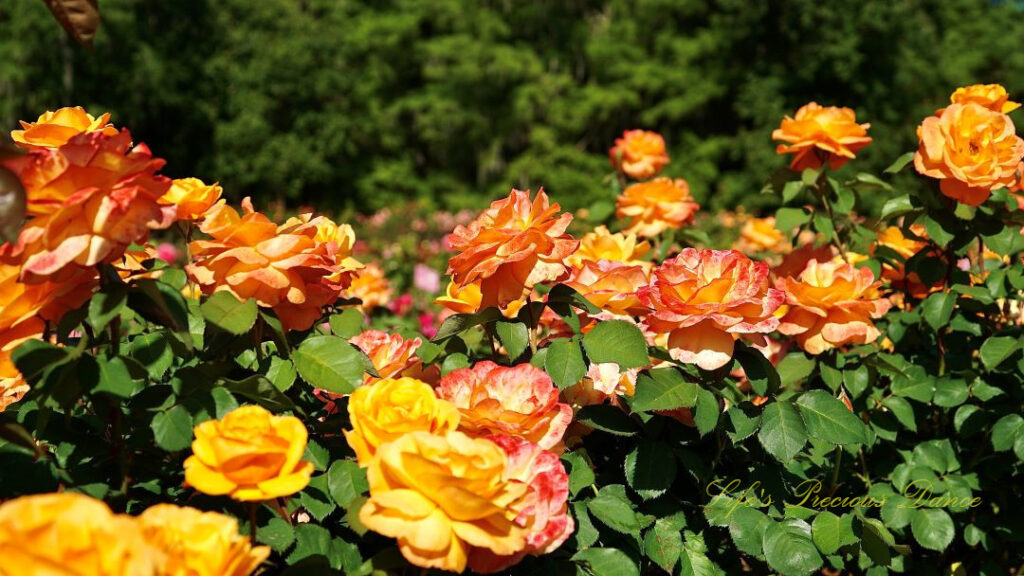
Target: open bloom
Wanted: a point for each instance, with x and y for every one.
(439, 495)
(371, 287)
(198, 543)
(519, 400)
(389, 409)
(611, 286)
(543, 510)
(820, 134)
(511, 246)
(249, 455)
(760, 235)
(296, 269)
(70, 534)
(391, 355)
(639, 154)
(468, 299)
(830, 305)
(603, 245)
(991, 96)
(54, 129)
(706, 299)
(655, 206)
(971, 150)
(192, 196)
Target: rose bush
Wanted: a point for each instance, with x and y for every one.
(190, 388)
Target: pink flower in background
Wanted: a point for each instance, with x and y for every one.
(401, 305)
(428, 325)
(168, 252)
(426, 278)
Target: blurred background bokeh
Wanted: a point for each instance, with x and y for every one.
(351, 105)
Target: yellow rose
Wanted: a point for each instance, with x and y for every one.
(71, 534)
(441, 495)
(192, 196)
(249, 455)
(389, 408)
(603, 245)
(199, 543)
(54, 129)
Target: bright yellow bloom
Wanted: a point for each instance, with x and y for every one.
(603, 245)
(192, 196)
(54, 129)
(199, 543)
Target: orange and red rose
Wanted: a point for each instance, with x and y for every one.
(819, 134)
(655, 206)
(639, 154)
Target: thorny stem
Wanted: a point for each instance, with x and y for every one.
(835, 471)
(820, 188)
(864, 467)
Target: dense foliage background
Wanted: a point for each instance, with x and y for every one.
(359, 104)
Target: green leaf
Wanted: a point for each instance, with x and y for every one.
(663, 544)
(154, 352)
(937, 308)
(786, 219)
(829, 531)
(172, 429)
(1005, 432)
(902, 410)
(900, 163)
(277, 534)
(795, 368)
(580, 474)
(607, 418)
(310, 540)
(828, 419)
(225, 311)
(788, 548)
(114, 378)
(564, 363)
(315, 500)
(897, 206)
(606, 562)
(744, 420)
(348, 323)
(261, 391)
(346, 482)
(458, 323)
(617, 341)
(694, 561)
(996, 349)
(916, 387)
(663, 389)
(330, 363)
(950, 392)
(932, 528)
(280, 372)
(317, 455)
(782, 433)
(513, 336)
(650, 468)
(159, 303)
(761, 374)
(790, 191)
(706, 414)
(106, 305)
(747, 526)
(614, 511)
(33, 357)
(875, 541)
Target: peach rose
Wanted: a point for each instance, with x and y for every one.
(54, 129)
(603, 245)
(519, 401)
(440, 495)
(991, 96)
(604, 381)
(706, 299)
(655, 206)
(70, 534)
(467, 300)
(821, 134)
(192, 196)
(295, 269)
(760, 235)
(795, 262)
(391, 408)
(391, 355)
(512, 246)
(830, 305)
(639, 154)
(543, 510)
(611, 286)
(198, 543)
(971, 150)
(249, 455)
(370, 286)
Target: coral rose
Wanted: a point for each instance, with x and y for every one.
(371, 287)
(54, 129)
(249, 455)
(832, 304)
(760, 235)
(655, 206)
(543, 510)
(295, 269)
(820, 134)
(512, 246)
(71, 534)
(603, 245)
(391, 355)
(468, 300)
(971, 150)
(439, 495)
(611, 286)
(519, 401)
(192, 196)
(391, 408)
(991, 96)
(706, 299)
(639, 154)
(198, 543)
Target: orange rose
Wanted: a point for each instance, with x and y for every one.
(830, 305)
(705, 299)
(894, 239)
(192, 197)
(760, 235)
(655, 206)
(971, 150)
(440, 495)
(991, 96)
(512, 246)
(295, 269)
(389, 409)
(795, 262)
(611, 286)
(371, 287)
(249, 455)
(467, 300)
(199, 543)
(639, 154)
(818, 134)
(519, 400)
(603, 245)
(54, 129)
